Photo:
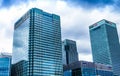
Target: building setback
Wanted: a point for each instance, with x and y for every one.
(69, 50)
(5, 64)
(37, 49)
(105, 44)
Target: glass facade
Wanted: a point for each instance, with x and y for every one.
(69, 49)
(77, 72)
(100, 46)
(37, 47)
(104, 73)
(105, 44)
(68, 73)
(88, 71)
(5, 66)
(83, 68)
(63, 55)
(20, 43)
(88, 68)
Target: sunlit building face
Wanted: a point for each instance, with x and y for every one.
(37, 45)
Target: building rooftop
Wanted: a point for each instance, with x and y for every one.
(4, 54)
(101, 22)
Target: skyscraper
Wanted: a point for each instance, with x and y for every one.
(69, 50)
(37, 49)
(5, 64)
(105, 44)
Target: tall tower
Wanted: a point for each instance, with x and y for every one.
(105, 44)
(37, 49)
(69, 50)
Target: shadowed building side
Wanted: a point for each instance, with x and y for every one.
(69, 50)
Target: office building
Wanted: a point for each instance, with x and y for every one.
(105, 44)
(69, 50)
(5, 64)
(37, 49)
(80, 68)
(84, 68)
(103, 70)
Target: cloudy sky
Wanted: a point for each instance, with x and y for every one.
(76, 16)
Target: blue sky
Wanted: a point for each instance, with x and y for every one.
(76, 16)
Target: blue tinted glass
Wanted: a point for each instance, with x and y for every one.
(20, 43)
(5, 66)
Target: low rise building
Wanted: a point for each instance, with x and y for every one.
(5, 64)
(84, 68)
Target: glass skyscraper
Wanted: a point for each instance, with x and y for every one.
(69, 50)
(37, 49)
(105, 44)
(5, 64)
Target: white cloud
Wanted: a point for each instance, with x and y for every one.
(74, 22)
(85, 57)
